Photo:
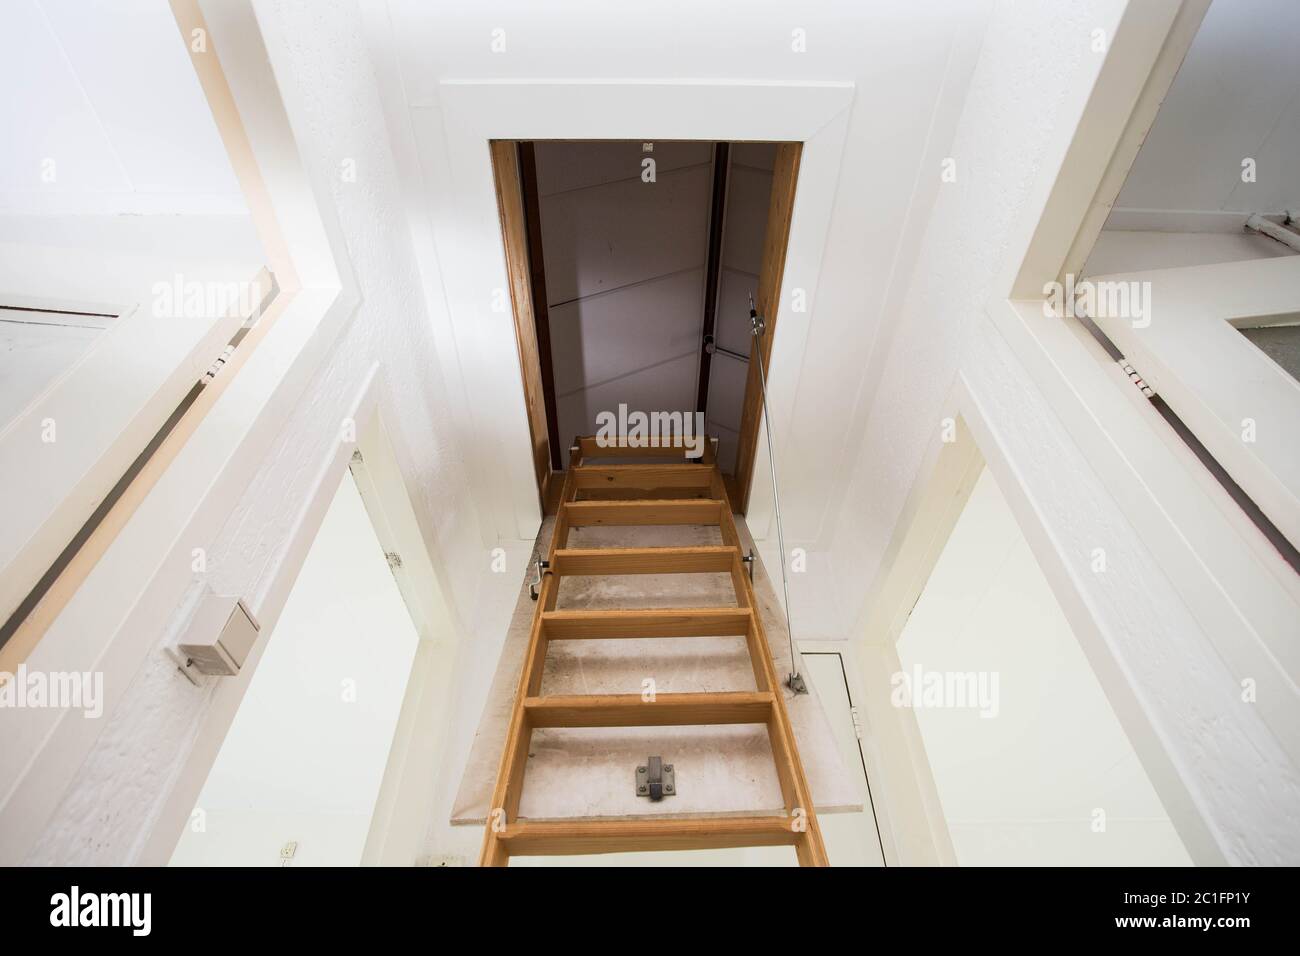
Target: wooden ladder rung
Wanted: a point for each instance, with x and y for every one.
(647, 494)
(642, 476)
(643, 560)
(592, 448)
(677, 622)
(639, 511)
(666, 710)
(526, 838)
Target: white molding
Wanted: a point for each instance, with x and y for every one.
(1108, 122)
(1202, 541)
(1188, 347)
(106, 407)
(452, 137)
(1226, 770)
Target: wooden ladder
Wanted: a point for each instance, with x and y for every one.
(685, 492)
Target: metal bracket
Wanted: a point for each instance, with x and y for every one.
(656, 779)
(748, 561)
(542, 568)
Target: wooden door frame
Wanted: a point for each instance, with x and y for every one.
(515, 176)
(776, 241)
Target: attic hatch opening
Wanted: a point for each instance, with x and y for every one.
(631, 265)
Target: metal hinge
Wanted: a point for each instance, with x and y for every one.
(1135, 378)
(748, 561)
(216, 366)
(542, 569)
(394, 559)
(857, 724)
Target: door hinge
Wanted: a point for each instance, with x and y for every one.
(858, 730)
(216, 366)
(1135, 378)
(394, 559)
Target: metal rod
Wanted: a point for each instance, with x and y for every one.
(794, 681)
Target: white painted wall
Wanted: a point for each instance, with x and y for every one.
(1036, 70)
(306, 753)
(1022, 786)
(137, 750)
(102, 98)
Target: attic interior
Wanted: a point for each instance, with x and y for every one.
(970, 538)
(634, 266)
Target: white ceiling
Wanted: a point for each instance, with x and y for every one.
(909, 65)
(1237, 95)
(107, 92)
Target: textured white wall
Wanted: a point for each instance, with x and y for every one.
(108, 811)
(897, 317)
(1035, 68)
(305, 755)
(1033, 57)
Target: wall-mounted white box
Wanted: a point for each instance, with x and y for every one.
(220, 636)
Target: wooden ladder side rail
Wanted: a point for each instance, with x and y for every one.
(504, 806)
(810, 848)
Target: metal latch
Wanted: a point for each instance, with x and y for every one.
(542, 568)
(656, 779)
(748, 561)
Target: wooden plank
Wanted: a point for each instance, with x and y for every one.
(619, 447)
(665, 710)
(644, 494)
(540, 300)
(644, 476)
(514, 756)
(643, 512)
(527, 838)
(514, 232)
(572, 561)
(810, 848)
(713, 269)
(780, 208)
(683, 622)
